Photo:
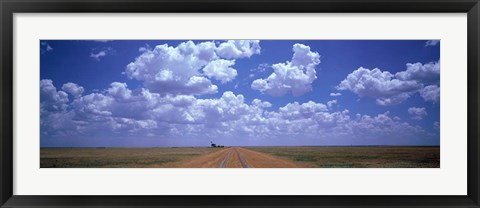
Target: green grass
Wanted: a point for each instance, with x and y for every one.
(358, 157)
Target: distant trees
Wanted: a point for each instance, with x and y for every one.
(215, 145)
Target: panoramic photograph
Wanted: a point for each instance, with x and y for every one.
(239, 103)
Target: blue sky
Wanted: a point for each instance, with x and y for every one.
(137, 93)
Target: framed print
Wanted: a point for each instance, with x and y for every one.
(261, 104)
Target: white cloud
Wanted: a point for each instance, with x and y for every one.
(119, 110)
(335, 94)
(392, 89)
(331, 103)
(431, 43)
(50, 98)
(167, 69)
(260, 84)
(295, 76)
(430, 93)
(393, 100)
(74, 89)
(424, 73)
(295, 110)
(378, 84)
(95, 103)
(132, 125)
(417, 113)
(119, 91)
(199, 85)
(221, 70)
(226, 108)
(260, 103)
(188, 67)
(383, 126)
(233, 49)
(176, 70)
(97, 54)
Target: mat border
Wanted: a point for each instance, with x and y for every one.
(9, 7)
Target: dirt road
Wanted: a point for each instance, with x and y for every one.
(235, 157)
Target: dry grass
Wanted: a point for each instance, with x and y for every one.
(117, 157)
(358, 157)
(260, 157)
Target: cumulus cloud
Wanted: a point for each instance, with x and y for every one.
(233, 49)
(392, 89)
(430, 93)
(295, 76)
(417, 113)
(167, 69)
(119, 91)
(295, 110)
(120, 110)
(188, 67)
(431, 43)
(335, 94)
(50, 98)
(378, 84)
(221, 70)
(260, 103)
(54, 115)
(383, 125)
(115, 110)
(331, 103)
(228, 107)
(424, 73)
(74, 89)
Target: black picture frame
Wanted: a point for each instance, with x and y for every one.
(9, 7)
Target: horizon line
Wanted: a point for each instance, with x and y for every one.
(246, 146)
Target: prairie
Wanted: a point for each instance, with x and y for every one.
(358, 156)
(242, 157)
(116, 157)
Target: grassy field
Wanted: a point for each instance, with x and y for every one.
(116, 157)
(358, 157)
(313, 157)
